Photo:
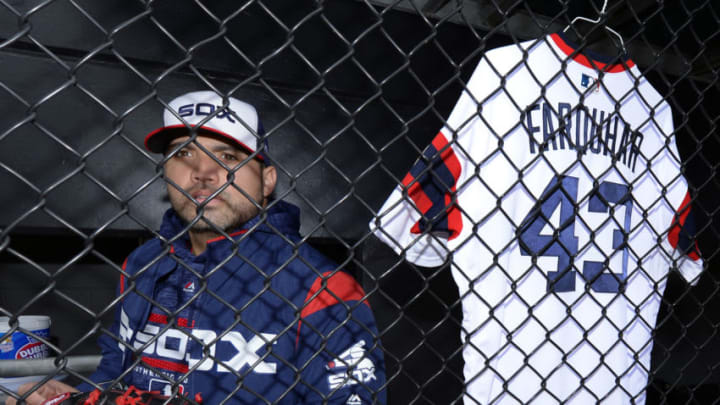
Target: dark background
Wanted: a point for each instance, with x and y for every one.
(349, 93)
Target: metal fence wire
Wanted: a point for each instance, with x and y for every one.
(360, 202)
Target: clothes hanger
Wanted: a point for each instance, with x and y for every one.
(601, 15)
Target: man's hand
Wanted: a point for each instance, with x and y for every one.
(48, 390)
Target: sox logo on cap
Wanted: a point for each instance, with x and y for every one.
(237, 122)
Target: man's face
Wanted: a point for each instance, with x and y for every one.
(199, 175)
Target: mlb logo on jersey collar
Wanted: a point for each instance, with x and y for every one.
(586, 81)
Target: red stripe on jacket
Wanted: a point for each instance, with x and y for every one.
(159, 318)
(165, 365)
(122, 277)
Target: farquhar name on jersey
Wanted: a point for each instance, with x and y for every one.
(564, 127)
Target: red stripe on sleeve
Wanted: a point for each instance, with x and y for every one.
(340, 287)
(122, 276)
(421, 200)
(447, 154)
(679, 221)
(454, 217)
(452, 162)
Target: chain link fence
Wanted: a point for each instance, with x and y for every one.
(500, 202)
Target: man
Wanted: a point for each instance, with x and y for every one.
(227, 302)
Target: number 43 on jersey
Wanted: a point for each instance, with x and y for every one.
(539, 237)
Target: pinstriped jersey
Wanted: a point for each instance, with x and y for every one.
(555, 189)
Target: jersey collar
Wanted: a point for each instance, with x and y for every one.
(589, 58)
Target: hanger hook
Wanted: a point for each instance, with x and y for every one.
(603, 11)
(601, 14)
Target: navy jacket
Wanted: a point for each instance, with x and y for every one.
(259, 318)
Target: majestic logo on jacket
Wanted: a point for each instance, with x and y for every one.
(354, 400)
(351, 367)
(172, 344)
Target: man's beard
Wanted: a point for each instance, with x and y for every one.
(227, 216)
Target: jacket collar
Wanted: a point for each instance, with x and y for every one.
(279, 216)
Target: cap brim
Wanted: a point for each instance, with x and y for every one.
(157, 140)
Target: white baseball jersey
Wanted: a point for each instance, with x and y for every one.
(555, 188)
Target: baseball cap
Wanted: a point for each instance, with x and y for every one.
(238, 122)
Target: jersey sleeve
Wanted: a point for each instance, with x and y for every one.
(680, 239)
(423, 213)
(339, 354)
